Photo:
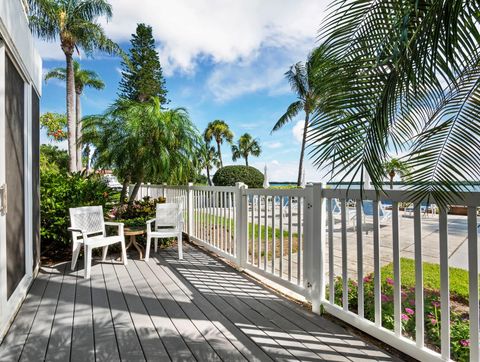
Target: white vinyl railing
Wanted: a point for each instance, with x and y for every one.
(316, 240)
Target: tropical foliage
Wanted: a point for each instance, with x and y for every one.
(137, 213)
(302, 77)
(406, 78)
(142, 75)
(230, 175)
(61, 190)
(73, 23)
(459, 324)
(141, 140)
(246, 146)
(394, 167)
(209, 158)
(218, 131)
(55, 125)
(83, 79)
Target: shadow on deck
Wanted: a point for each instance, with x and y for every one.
(168, 309)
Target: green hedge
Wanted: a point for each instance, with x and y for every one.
(229, 175)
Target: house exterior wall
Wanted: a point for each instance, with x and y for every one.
(20, 91)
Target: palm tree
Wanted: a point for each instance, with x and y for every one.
(83, 78)
(219, 131)
(414, 89)
(301, 79)
(74, 23)
(395, 166)
(141, 140)
(246, 146)
(209, 157)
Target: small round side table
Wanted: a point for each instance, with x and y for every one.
(132, 233)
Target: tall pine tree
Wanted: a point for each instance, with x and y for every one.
(142, 75)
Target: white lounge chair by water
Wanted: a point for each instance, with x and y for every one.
(367, 208)
(425, 209)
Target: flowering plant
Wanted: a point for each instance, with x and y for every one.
(459, 324)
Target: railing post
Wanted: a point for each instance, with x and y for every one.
(241, 220)
(189, 209)
(164, 194)
(148, 189)
(317, 273)
(308, 222)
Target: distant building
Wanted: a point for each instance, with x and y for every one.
(20, 90)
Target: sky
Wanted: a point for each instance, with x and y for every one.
(222, 59)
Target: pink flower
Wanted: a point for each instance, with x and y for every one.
(436, 304)
(410, 311)
(385, 298)
(411, 301)
(367, 279)
(389, 281)
(465, 342)
(433, 321)
(405, 317)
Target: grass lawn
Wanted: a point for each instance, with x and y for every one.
(221, 222)
(431, 277)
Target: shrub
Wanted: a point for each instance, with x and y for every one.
(137, 213)
(51, 157)
(459, 322)
(60, 191)
(229, 175)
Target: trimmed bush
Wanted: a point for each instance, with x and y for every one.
(229, 175)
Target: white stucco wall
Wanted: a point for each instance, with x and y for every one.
(16, 35)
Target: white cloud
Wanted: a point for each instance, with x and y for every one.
(225, 31)
(264, 71)
(297, 130)
(273, 145)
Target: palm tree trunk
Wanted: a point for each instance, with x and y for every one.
(133, 196)
(302, 151)
(392, 176)
(208, 176)
(246, 161)
(123, 194)
(87, 152)
(78, 116)
(71, 124)
(219, 154)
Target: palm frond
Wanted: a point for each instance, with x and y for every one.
(292, 111)
(394, 59)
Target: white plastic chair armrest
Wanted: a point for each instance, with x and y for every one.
(111, 223)
(119, 225)
(149, 225)
(80, 231)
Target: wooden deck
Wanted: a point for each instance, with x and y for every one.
(195, 309)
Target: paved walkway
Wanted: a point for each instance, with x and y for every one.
(457, 242)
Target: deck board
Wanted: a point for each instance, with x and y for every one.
(194, 309)
(106, 348)
(83, 341)
(293, 338)
(37, 342)
(59, 346)
(12, 345)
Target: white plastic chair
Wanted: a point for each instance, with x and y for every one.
(88, 228)
(168, 223)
